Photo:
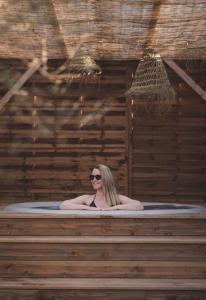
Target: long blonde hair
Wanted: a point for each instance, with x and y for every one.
(108, 185)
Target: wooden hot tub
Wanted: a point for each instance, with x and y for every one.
(100, 255)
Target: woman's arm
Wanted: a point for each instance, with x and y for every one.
(79, 203)
(77, 207)
(127, 203)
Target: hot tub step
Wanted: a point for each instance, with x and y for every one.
(103, 248)
(17, 224)
(103, 240)
(105, 284)
(96, 269)
(102, 288)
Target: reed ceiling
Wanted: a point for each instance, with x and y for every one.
(112, 29)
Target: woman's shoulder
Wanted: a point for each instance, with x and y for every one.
(87, 199)
(124, 199)
(84, 197)
(80, 199)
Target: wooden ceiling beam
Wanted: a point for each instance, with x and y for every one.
(152, 23)
(34, 66)
(186, 78)
(60, 27)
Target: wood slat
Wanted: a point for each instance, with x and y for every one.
(22, 294)
(104, 240)
(113, 269)
(15, 224)
(111, 251)
(104, 284)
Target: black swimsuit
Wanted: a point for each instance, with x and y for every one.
(92, 204)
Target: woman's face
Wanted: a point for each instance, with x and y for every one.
(96, 180)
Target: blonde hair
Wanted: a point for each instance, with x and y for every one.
(108, 185)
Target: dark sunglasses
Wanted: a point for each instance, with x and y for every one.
(98, 177)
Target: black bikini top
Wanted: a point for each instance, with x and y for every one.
(92, 204)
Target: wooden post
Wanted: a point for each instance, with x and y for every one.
(129, 145)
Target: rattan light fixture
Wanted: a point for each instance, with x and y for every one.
(83, 63)
(151, 84)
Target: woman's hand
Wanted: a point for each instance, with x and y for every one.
(109, 208)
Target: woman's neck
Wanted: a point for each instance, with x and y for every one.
(100, 198)
(100, 194)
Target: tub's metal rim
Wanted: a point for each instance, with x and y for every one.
(27, 207)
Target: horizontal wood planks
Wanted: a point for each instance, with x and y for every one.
(115, 284)
(108, 251)
(52, 137)
(49, 142)
(96, 269)
(168, 152)
(53, 226)
(20, 294)
(50, 257)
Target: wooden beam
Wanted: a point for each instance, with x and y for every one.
(60, 27)
(186, 78)
(112, 284)
(152, 24)
(33, 67)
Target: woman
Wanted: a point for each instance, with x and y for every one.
(105, 197)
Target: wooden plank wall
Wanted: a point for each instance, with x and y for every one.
(168, 154)
(52, 138)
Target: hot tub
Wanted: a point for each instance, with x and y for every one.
(150, 208)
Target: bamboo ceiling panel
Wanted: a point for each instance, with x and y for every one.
(115, 29)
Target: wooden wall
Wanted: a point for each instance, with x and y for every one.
(51, 136)
(168, 154)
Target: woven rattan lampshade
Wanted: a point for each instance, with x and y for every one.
(151, 83)
(82, 63)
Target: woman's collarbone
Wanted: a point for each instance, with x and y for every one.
(101, 204)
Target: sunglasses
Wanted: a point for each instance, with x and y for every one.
(98, 177)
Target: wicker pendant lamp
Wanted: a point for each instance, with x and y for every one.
(151, 84)
(83, 64)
